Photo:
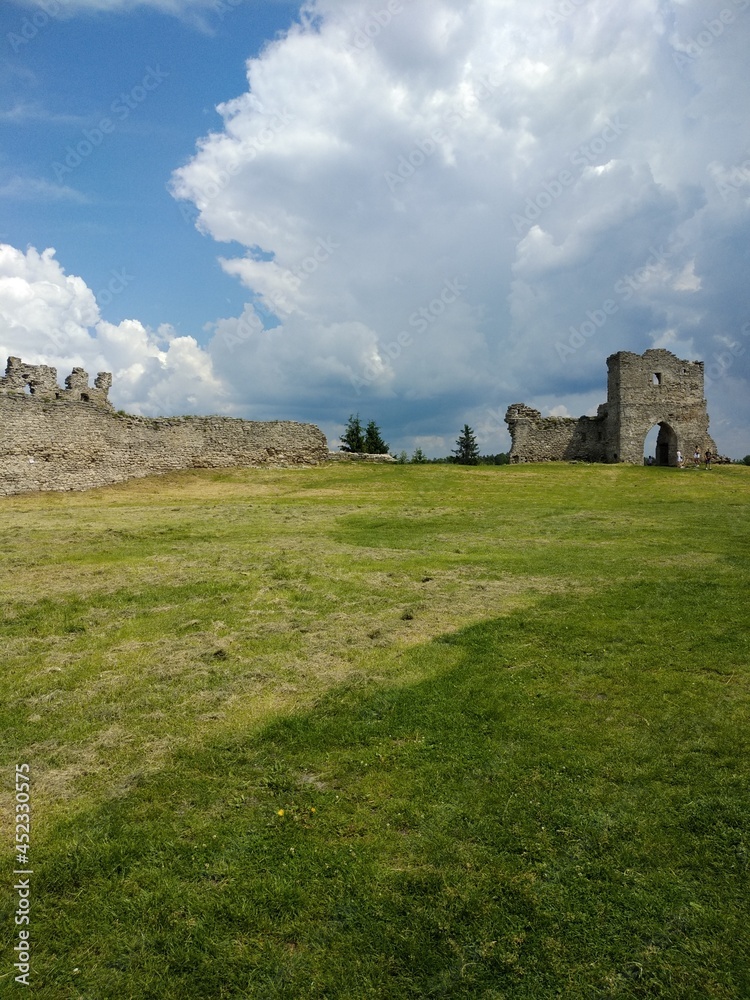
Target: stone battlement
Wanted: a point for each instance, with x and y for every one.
(40, 381)
(72, 439)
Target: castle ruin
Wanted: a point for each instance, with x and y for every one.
(71, 438)
(643, 391)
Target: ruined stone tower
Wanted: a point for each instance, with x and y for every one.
(643, 391)
(655, 388)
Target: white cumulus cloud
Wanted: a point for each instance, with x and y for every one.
(550, 159)
(50, 317)
(446, 206)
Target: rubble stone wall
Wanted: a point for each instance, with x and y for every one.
(554, 439)
(50, 442)
(358, 456)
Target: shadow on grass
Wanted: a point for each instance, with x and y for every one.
(546, 806)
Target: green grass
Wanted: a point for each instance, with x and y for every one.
(372, 732)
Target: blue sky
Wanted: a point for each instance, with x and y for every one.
(414, 209)
(62, 83)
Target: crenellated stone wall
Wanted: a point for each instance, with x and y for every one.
(72, 439)
(40, 381)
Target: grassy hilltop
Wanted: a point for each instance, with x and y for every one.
(382, 732)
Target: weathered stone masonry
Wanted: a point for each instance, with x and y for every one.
(72, 439)
(643, 391)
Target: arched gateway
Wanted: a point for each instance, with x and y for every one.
(660, 444)
(643, 390)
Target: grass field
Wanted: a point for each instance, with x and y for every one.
(382, 732)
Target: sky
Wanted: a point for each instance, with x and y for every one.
(420, 211)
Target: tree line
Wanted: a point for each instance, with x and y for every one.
(368, 440)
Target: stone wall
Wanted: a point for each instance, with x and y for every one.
(49, 443)
(358, 456)
(554, 439)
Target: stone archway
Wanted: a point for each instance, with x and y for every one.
(665, 449)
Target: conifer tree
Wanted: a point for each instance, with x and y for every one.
(374, 443)
(353, 439)
(467, 450)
